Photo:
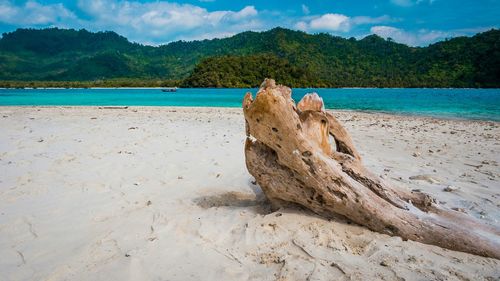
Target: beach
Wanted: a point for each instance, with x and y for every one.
(162, 193)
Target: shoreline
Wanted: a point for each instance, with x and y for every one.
(312, 88)
(370, 112)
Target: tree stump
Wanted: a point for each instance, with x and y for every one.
(289, 153)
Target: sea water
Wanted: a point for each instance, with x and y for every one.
(483, 104)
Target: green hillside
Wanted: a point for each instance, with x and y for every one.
(292, 57)
(247, 71)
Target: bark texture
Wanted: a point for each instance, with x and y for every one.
(290, 153)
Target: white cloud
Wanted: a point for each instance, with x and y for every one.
(408, 3)
(33, 13)
(305, 9)
(301, 25)
(330, 22)
(155, 21)
(248, 11)
(418, 38)
(337, 22)
(162, 21)
(371, 20)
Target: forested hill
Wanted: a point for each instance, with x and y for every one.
(291, 57)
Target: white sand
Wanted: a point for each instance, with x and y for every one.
(163, 194)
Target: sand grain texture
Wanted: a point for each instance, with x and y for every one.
(148, 193)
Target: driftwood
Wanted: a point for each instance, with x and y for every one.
(288, 151)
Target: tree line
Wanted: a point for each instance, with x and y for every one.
(56, 57)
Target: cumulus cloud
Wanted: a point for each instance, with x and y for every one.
(330, 22)
(416, 38)
(161, 19)
(151, 22)
(33, 13)
(337, 22)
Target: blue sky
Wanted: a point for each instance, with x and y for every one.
(413, 22)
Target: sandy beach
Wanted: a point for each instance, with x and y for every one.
(162, 193)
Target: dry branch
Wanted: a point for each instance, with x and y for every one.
(289, 153)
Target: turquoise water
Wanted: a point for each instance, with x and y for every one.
(449, 103)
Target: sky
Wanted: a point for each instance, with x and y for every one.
(413, 22)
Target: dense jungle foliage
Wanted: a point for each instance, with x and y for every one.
(67, 57)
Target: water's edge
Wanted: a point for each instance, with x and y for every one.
(238, 109)
(462, 104)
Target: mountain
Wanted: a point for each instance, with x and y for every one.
(292, 57)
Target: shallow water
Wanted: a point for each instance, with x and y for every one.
(481, 104)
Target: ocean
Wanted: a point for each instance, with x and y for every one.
(481, 104)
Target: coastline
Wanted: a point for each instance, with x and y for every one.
(256, 88)
(346, 111)
(156, 192)
(89, 88)
(445, 103)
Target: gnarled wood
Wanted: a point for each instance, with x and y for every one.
(288, 152)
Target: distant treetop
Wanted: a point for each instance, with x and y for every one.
(295, 57)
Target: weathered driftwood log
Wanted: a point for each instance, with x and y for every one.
(289, 153)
